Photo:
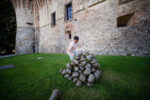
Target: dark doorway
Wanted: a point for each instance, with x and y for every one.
(7, 27)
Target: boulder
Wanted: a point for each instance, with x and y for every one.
(97, 74)
(67, 76)
(89, 57)
(88, 65)
(76, 68)
(75, 74)
(87, 71)
(63, 72)
(93, 69)
(91, 78)
(75, 79)
(82, 68)
(68, 65)
(82, 77)
(68, 71)
(97, 65)
(78, 83)
(55, 95)
(75, 62)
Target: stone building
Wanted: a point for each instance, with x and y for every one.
(111, 27)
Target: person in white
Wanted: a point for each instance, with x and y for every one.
(71, 51)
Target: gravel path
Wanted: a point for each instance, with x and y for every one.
(7, 56)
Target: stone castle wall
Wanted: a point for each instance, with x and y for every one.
(25, 29)
(96, 25)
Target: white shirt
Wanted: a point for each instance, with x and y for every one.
(72, 46)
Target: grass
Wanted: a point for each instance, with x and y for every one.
(123, 78)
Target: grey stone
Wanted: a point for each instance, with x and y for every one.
(67, 76)
(71, 64)
(82, 59)
(75, 74)
(76, 68)
(88, 65)
(84, 63)
(93, 69)
(93, 61)
(87, 71)
(55, 95)
(80, 71)
(75, 62)
(82, 68)
(63, 72)
(97, 74)
(89, 57)
(68, 71)
(82, 77)
(81, 65)
(91, 78)
(78, 83)
(68, 65)
(97, 65)
(75, 79)
(70, 78)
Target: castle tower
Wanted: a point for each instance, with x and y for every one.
(25, 26)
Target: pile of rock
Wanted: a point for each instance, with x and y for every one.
(84, 69)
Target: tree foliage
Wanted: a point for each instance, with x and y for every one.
(7, 27)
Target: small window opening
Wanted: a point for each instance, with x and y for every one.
(123, 21)
(69, 36)
(30, 4)
(29, 23)
(68, 11)
(53, 17)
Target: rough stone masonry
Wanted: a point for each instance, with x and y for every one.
(111, 27)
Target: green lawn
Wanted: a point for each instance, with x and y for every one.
(123, 78)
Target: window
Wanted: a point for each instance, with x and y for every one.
(30, 4)
(53, 17)
(68, 11)
(69, 36)
(123, 21)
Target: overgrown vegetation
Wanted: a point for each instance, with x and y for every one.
(7, 27)
(123, 78)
